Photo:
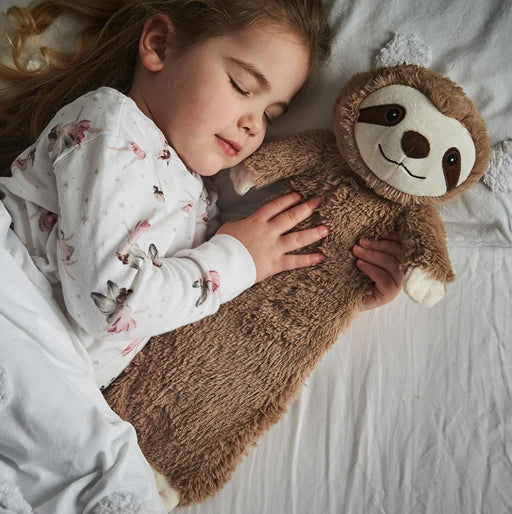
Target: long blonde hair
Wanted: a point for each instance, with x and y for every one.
(105, 52)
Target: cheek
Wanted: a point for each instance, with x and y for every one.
(252, 145)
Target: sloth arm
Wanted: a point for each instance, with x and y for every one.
(291, 156)
(424, 243)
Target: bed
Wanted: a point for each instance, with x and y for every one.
(411, 410)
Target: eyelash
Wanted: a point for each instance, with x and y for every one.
(237, 88)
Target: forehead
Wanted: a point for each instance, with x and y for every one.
(277, 52)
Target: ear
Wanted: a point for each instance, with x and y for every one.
(154, 41)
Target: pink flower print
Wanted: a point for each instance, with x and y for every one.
(24, 163)
(64, 136)
(132, 346)
(47, 220)
(130, 252)
(158, 194)
(113, 306)
(211, 282)
(66, 251)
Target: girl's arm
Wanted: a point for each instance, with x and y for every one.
(120, 234)
(121, 265)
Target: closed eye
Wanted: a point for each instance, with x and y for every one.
(238, 88)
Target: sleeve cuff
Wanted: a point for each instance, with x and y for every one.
(233, 263)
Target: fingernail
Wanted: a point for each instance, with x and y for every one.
(317, 201)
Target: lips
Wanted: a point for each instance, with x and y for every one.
(230, 148)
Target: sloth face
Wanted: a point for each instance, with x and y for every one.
(410, 145)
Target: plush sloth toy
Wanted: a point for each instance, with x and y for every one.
(404, 139)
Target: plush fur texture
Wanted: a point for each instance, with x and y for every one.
(200, 396)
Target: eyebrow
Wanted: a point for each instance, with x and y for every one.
(262, 80)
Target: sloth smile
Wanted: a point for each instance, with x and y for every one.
(399, 164)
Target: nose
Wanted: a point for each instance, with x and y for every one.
(415, 145)
(252, 124)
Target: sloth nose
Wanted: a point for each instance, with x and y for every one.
(415, 145)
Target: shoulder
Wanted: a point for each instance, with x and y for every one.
(102, 108)
(106, 115)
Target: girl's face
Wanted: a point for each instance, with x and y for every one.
(213, 101)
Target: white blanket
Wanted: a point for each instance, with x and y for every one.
(62, 450)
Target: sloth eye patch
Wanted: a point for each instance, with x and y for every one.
(386, 115)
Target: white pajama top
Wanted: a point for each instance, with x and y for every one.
(118, 224)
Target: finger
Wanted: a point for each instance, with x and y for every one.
(390, 247)
(384, 282)
(278, 205)
(301, 238)
(293, 261)
(392, 236)
(388, 263)
(290, 218)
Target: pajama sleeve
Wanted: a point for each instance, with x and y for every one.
(120, 212)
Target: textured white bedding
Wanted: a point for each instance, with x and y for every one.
(411, 411)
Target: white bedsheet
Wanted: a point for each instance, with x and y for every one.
(411, 411)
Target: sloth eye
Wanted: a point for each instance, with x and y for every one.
(386, 115)
(451, 158)
(392, 115)
(451, 167)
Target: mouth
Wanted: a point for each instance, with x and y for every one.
(399, 164)
(230, 148)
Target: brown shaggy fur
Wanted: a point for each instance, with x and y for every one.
(201, 395)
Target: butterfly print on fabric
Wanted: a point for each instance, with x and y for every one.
(209, 283)
(130, 253)
(113, 306)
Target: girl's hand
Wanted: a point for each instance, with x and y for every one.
(380, 261)
(266, 235)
